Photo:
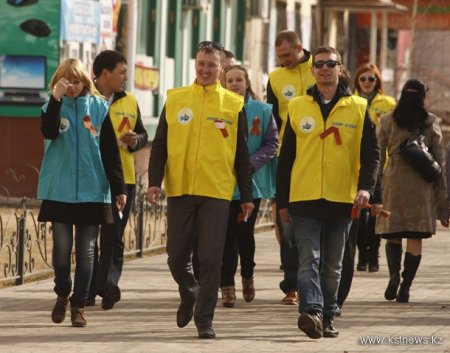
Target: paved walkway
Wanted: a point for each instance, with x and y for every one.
(144, 321)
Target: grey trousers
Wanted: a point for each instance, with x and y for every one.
(197, 222)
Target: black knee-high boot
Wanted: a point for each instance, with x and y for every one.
(411, 264)
(393, 256)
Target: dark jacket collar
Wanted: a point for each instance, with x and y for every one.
(342, 91)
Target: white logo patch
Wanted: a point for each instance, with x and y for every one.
(288, 92)
(307, 124)
(64, 125)
(185, 115)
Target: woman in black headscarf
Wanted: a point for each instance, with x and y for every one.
(412, 200)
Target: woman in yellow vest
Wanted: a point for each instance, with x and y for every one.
(368, 85)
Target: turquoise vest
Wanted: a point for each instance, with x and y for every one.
(72, 170)
(258, 119)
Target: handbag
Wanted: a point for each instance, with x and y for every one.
(415, 152)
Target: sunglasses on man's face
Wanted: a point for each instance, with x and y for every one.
(371, 79)
(331, 64)
(211, 45)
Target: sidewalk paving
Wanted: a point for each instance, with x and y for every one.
(144, 320)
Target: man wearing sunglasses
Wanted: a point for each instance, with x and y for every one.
(328, 164)
(199, 143)
(290, 80)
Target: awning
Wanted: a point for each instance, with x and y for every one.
(362, 5)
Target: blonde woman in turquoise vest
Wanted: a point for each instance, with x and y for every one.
(368, 85)
(262, 144)
(80, 175)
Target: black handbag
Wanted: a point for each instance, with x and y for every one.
(415, 152)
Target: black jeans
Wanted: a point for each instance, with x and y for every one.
(288, 254)
(240, 241)
(197, 222)
(108, 270)
(348, 264)
(367, 241)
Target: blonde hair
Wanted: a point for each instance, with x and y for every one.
(73, 68)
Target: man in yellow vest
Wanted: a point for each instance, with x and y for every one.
(328, 164)
(200, 150)
(290, 80)
(110, 70)
(229, 60)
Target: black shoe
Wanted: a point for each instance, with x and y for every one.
(206, 332)
(374, 268)
(311, 324)
(328, 328)
(184, 314)
(90, 302)
(110, 298)
(361, 267)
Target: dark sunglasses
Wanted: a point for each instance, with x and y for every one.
(331, 64)
(211, 45)
(371, 79)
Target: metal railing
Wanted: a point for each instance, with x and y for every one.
(26, 244)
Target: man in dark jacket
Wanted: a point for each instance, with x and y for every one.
(110, 70)
(328, 164)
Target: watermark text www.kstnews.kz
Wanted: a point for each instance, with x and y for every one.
(401, 340)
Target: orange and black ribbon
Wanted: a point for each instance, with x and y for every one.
(256, 131)
(88, 125)
(355, 212)
(332, 130)
(123, 123)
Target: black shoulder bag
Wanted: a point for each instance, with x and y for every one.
(415, 152)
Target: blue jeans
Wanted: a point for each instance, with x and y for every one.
(85, 236)
(320, 245)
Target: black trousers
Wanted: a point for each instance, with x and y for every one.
(108, 269)
(368, 242)
(200, 223)
(348, 264)
(239, 243)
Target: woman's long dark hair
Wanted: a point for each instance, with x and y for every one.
(410, 112)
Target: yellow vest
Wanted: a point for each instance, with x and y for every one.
(381, 104)
(287, 84)
(124, 114)
(201, 141)
(326, 167)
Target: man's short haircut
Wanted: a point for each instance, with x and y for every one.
(327, 50)
(289, 36)
(209, 47)
(107, 59)
(228, 54)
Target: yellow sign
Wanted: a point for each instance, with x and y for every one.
(146, 78)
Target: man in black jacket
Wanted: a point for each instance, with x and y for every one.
(328, 164)
(110, 70)
(199, 145)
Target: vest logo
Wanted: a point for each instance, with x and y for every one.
(307, 124)
(64, 125)
(288, 92)
(184, 116)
